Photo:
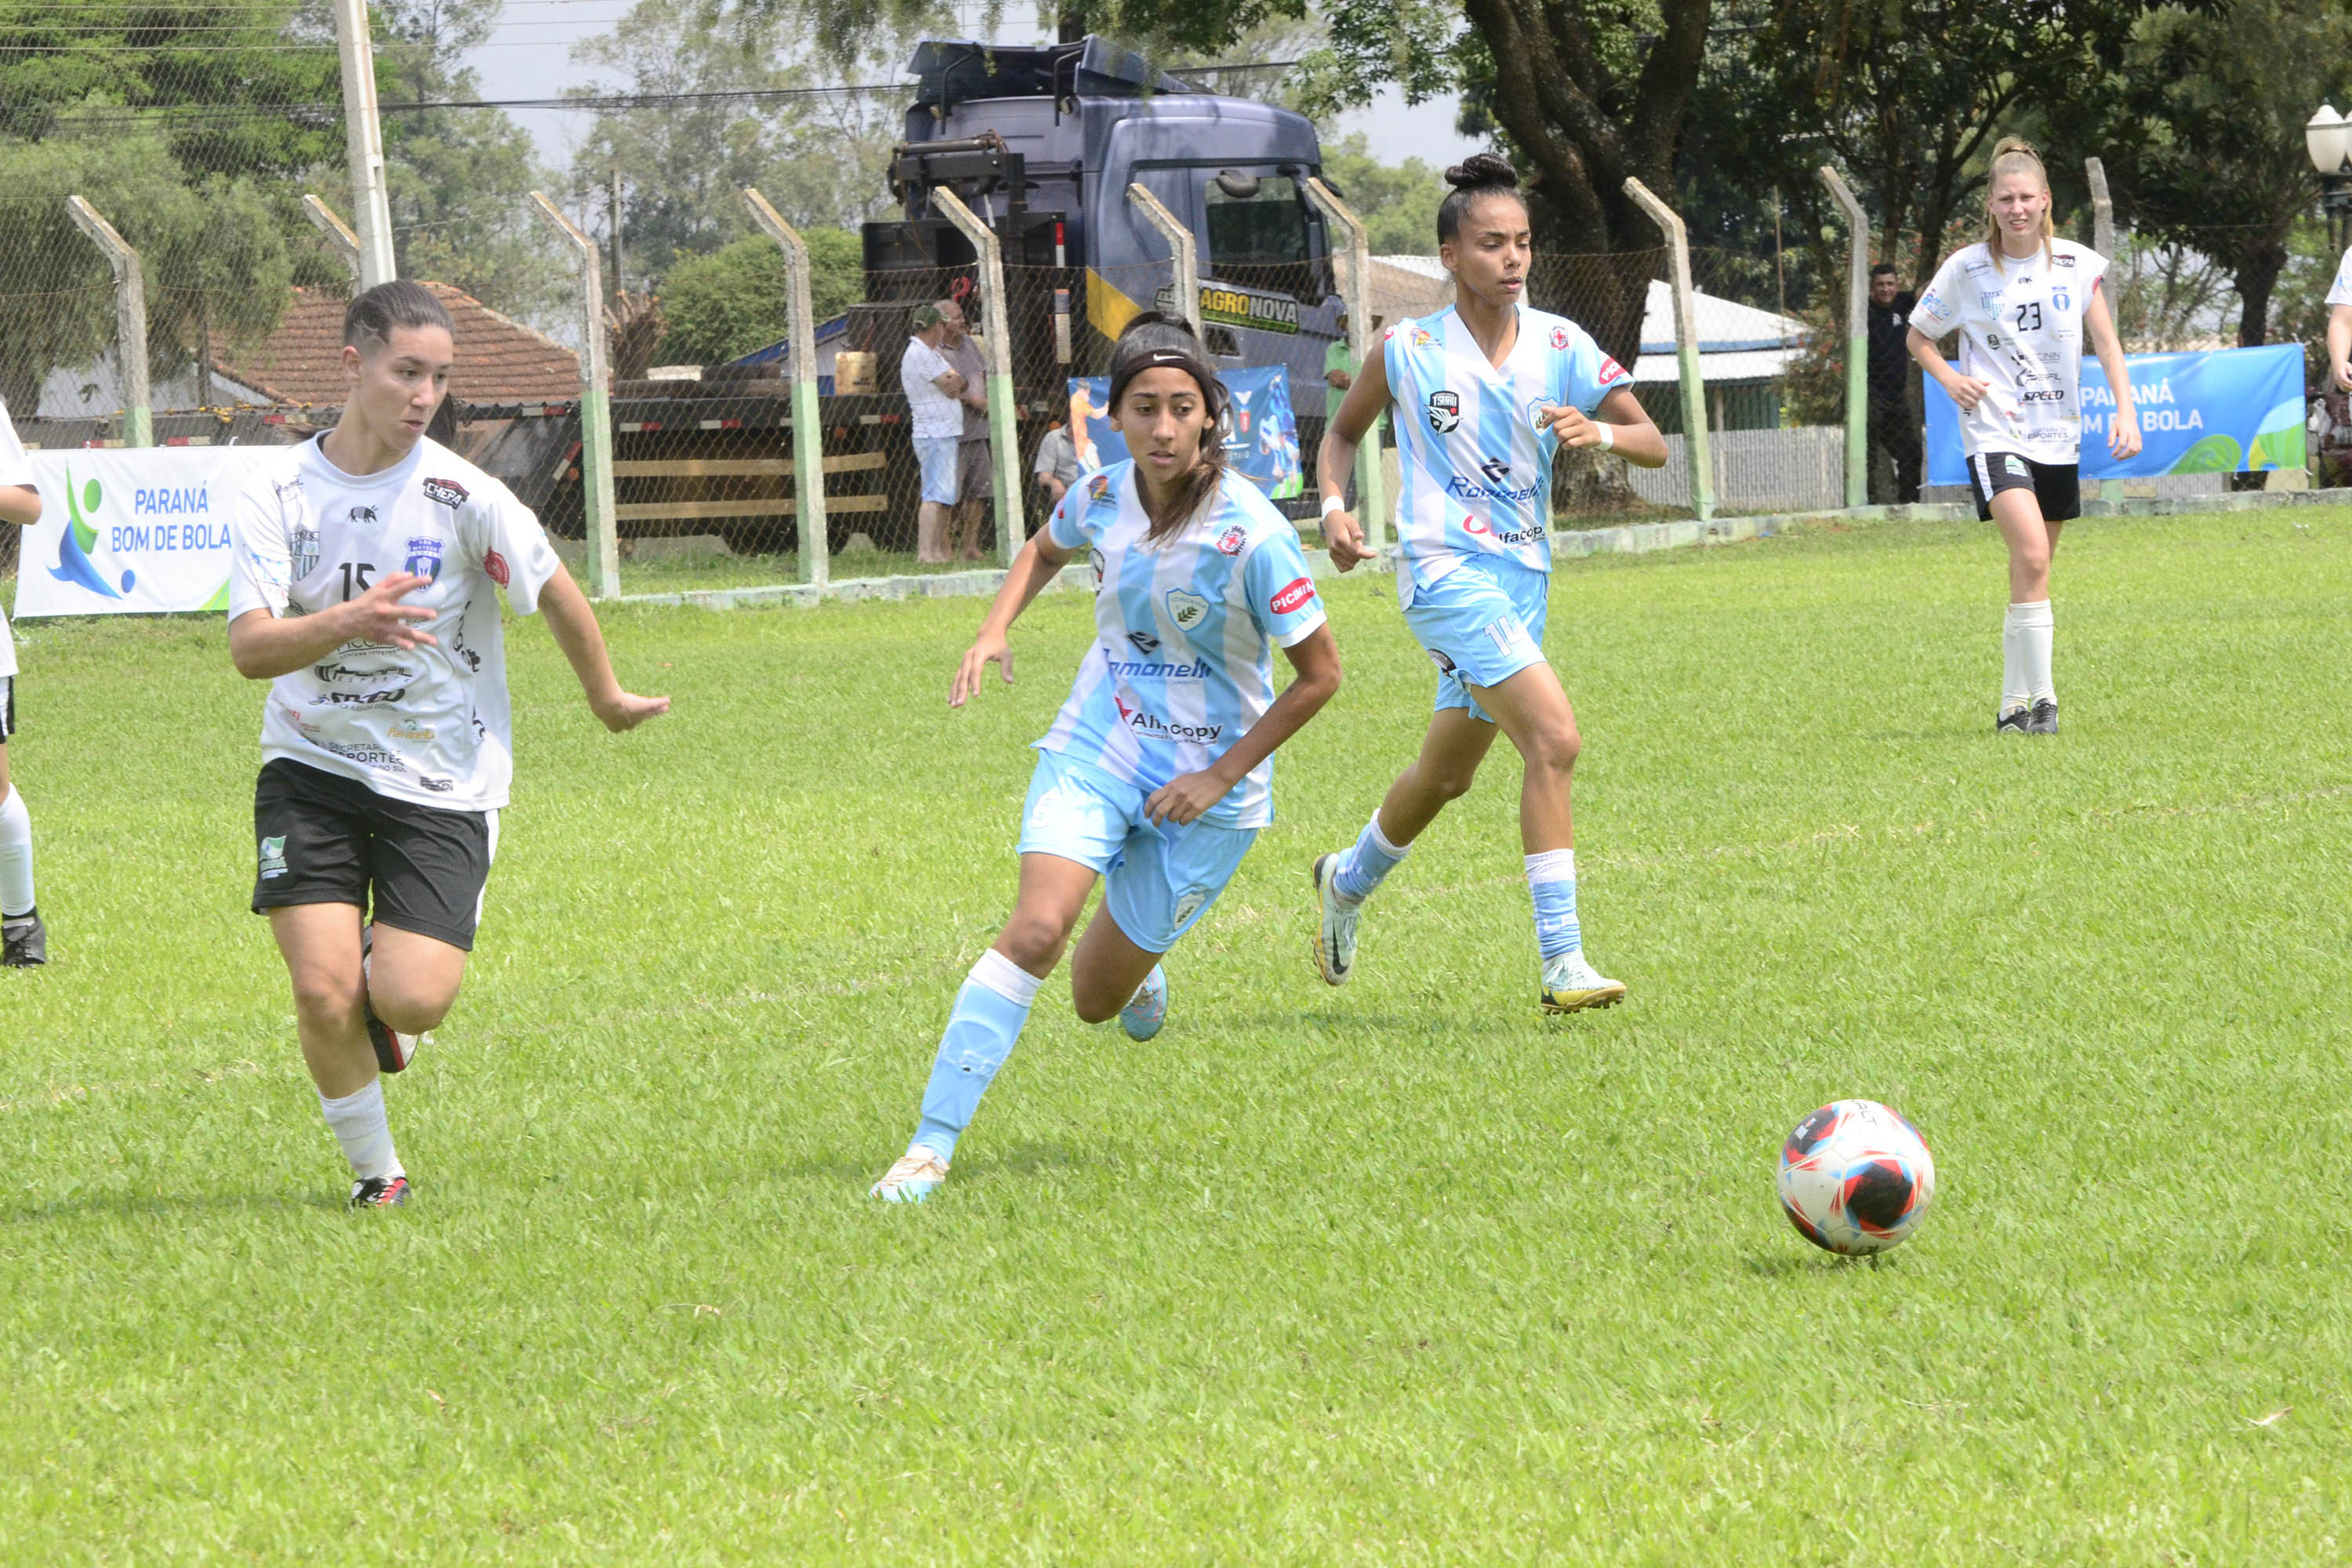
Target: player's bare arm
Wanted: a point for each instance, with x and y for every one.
(264, 647)
(1035, 567)
(20, 504)
(2123, 430)
(1965, 390)
(1342, 534)
(574, 627)
(2339, 347)
(1316, 661)
(1630, 434)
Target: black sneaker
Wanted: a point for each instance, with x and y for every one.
(2044, 720)
(380, 1193)
(393, 1050)
(2013, 722)
(24, 941)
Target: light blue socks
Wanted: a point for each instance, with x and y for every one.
(1363, 866)
(1551, 878)
(989, 1011)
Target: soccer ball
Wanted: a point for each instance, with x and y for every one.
(1855, 1177)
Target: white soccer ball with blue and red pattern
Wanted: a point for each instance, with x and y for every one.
(1855, 1177)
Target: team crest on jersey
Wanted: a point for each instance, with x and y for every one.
(1099, 488)
(1186, 609)
(1560, 337)
(448, 492)
(1537, 408)
(424, 559)
(1444, 413)
(273, 857)
(1421, 338)
(1189, 904)
(1230, 542)
(303, 544)
(2059, 298)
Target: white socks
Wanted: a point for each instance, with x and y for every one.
(359, 1125)
(2026, 633)
(15, 856)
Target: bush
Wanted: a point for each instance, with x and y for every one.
(728, 303)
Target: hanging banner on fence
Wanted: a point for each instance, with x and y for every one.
(1260, 431)
(131, 530)
(2222, 411)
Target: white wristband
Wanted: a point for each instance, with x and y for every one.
(1608, 435)
(1334, 503)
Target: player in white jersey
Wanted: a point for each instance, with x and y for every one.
(24, 940)
(1486, 395)
(364, 587)
(1158, 773)
(2339, 326)
(2022, 300)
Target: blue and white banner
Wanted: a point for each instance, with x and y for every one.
(1261, 433)
(130, 531)
(2222, 411)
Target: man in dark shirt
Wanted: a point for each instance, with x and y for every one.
(1894, 427)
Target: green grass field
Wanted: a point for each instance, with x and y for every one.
(1402, 1273)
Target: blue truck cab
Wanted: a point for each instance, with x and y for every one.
(1042, 143)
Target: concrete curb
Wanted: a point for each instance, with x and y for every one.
(1630, 538)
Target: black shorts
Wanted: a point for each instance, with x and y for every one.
(322, 838)
(2057, 485)
(7, 705)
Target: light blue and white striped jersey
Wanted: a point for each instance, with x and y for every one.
(1183, 663)
(1475, 458)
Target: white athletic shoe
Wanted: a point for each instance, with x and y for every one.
(912, 1179)
(1571, 985)
(1335, 936)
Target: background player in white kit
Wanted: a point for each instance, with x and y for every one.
(2339, 326)
(363, 589)
(1159, 771)
(24, 940)
(1486, 395)
(2022, 300)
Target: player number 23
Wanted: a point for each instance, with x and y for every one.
(2029, 316)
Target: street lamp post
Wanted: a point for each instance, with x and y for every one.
(2328, 136)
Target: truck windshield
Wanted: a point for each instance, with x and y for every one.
(1265, 228)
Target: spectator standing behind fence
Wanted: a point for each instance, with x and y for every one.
(975, 473)
(935, 420)
(1058, 463)
(1894, 427)
(24, 941)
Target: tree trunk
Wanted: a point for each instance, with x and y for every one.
(2256, 277)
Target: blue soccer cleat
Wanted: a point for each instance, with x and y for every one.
(1147, 1008)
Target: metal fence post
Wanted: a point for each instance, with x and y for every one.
(808, 434)
(595, 412)
(1857, 341)
(364, 142)
(1181, 245)
(129, 321)
(1355, 294)
(339, 237)
(1696, 448)
(1003, 438)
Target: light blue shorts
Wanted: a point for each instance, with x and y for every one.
(1480, 625)
(1157, 881)
(938, 456)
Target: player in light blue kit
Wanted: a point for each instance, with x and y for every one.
(1159, 771)
(1485, 394)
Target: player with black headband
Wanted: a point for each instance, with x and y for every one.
(1159, 771)
(1486, 395)
(2023, 301)
(363, 589)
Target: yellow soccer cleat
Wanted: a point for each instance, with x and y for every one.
(1571, 985)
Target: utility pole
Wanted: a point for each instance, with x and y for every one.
(619, 286)
(363, 143)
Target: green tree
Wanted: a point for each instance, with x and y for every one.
(726, 304)
(1397, 202)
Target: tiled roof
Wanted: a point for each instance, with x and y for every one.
(499, 360)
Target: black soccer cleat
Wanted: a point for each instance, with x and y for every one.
(380, 1193)
(393, 1050)
(2013, 722)
(24, 941)
(2044, 720)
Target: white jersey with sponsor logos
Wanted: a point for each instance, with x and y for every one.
(1473, 453)
(429, 724)
(1182, 662)
(2021, 326)
(15, 468)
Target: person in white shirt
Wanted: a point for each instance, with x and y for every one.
(2339, 327)
(364, 587)
(2022, 301)
(935, 420)
(24, 940)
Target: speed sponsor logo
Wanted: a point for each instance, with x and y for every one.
(1291, 595)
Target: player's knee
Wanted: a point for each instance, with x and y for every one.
(1093, 1005)
(409, 1012)
(1553, 749)
(326, 996)
(1032, 941)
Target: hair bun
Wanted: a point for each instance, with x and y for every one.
(1482, 172)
